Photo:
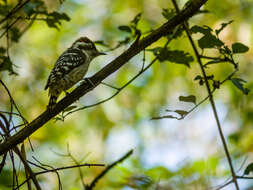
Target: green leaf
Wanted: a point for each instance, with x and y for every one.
(175, 56)
(190, 98)
(239, 84)
(6, 65)
(55, 18)
(51, 23)
(209, 41)
(64, 16)
(239, 48)
(163, 117)
(59, 16)
(136, 19)
(2, 50)
(198, 77)
(168, 13)
(182, 113)
(4, 9)
(180, 57)
(160, 171)
(156, 51)
(30, 8)
(125, 28)
(15, 34)
(204, 30)
(223, 25)
(248, 169)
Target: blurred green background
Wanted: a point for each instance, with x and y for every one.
(168, 154)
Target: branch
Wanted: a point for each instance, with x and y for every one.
(14, 10)
(107, 169)
(119, 89)
(57, 169)
(211, 100)
(191, 9)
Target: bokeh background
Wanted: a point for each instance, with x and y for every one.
(171, 154)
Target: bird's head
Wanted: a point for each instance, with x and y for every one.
(87, 46)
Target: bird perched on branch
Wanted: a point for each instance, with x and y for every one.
(71, 67)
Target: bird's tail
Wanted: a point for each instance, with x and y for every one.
(52, 100)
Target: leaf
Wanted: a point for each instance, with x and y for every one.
(204, 30)
(182, 113)
(190, 98)
(125, 28)
(15, 34)
(156, 51)
(168, 13)
(198, 77)
(227, 50)
(51, 23)
(4, 9)
(2, 50)
(59, 16)
(6, 65)
(136, 19)
(223, 25)
(209, 41)
(163, 117)
(248, 169)
(55, 18)
(175, 56)
(239, 84)
(30, 8)
(239, 48)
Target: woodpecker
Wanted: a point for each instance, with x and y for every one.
(71, 67)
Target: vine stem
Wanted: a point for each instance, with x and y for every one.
(212, 102)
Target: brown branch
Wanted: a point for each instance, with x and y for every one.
(224, 185)
(119, 89)
(14, 10)
(243, 177)
(28, 168)
(56, 169)
(191, 9)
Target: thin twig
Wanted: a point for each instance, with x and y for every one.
(28, 168)
(79, 168)
(57, 169)
(14, 10)
(243, 177)
(198, 104)
(224, 185)
(210, 97)
(107, 169)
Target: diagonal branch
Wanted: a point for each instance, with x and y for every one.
(139, 45)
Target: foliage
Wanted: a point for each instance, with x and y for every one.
(167, 154)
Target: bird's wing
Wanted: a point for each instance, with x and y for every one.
(69, 60)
